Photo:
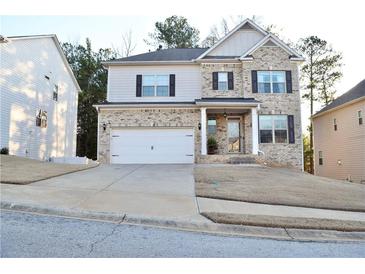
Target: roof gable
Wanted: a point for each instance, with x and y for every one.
(271, 41)
(58, 46)
(246, 25)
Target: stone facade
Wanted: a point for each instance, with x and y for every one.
(146, 118)
(207, 80)
(275, 58)
(264, 58)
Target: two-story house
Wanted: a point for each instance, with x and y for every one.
(339, 137)
(38, 98)
(163, 106)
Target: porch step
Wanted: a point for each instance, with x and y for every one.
(242, 160)
(228, 159)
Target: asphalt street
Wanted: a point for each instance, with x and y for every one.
(31, 235)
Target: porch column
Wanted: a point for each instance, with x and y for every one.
(255, 131)
(203, 131)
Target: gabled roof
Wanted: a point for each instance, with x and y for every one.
(353, 94)
(270, 38)
(173, 54)
(191, 55)
(58, 46)
(239, 26)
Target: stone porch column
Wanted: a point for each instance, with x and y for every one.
(255, 131)
(203, 131)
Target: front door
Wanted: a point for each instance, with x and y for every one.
(234, 135)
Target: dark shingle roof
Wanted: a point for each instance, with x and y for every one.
(353, 94)
(176, 54)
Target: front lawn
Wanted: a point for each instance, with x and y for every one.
(278, 186)
(22, 171)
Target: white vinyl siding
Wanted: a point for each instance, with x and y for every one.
(25, 90)
(122, 82)
(238, 43)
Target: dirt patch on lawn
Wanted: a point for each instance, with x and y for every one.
(285, 222)
(22, 171)
(278, 186)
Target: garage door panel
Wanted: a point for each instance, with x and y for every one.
(152, 146)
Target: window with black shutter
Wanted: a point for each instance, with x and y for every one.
(254, 81)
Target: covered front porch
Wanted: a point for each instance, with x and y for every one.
(229, 127)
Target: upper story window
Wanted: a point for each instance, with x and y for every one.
(222, 80)
(55, 93)
(212, 126)
(320, 158)
(334, 124)
(271, 81)
(155, 85)
(359, 116)
(273, 128)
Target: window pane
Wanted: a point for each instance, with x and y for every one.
(222, 86)
(212, 126)
(162, 80)
(263, 76)
(280, 122)
(278, 87)
(148, 91)
(265, 136)
(264, 88)
(278, 76)
(265, 122)
(162, 91)
(222, 76)
(280, 136)
(148, 80)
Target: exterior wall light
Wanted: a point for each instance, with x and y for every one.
(200, 126)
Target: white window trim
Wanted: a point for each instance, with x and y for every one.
(225, 72)
(273, 128)
(155, 85)
(359, 116)
(271, 82)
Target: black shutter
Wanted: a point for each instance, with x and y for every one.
(139, 85)
(289, 86)
(254, 81)
(230, 80)
(172, 84)
(291, 129)
(215, 80)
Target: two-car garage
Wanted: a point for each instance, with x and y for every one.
(152, 146)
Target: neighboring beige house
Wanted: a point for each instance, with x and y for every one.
(339, 137)
(38, 98)
(163, 106)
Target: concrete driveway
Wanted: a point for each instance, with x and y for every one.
(165, 191)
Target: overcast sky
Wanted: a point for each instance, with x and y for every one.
(342, 25)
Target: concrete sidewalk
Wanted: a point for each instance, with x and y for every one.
(225, 206)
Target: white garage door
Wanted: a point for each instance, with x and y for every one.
(152, 146)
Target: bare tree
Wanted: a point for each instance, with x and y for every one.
(128, 45)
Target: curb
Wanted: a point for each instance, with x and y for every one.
(303, 235)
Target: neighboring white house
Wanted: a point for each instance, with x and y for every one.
(39, 96)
